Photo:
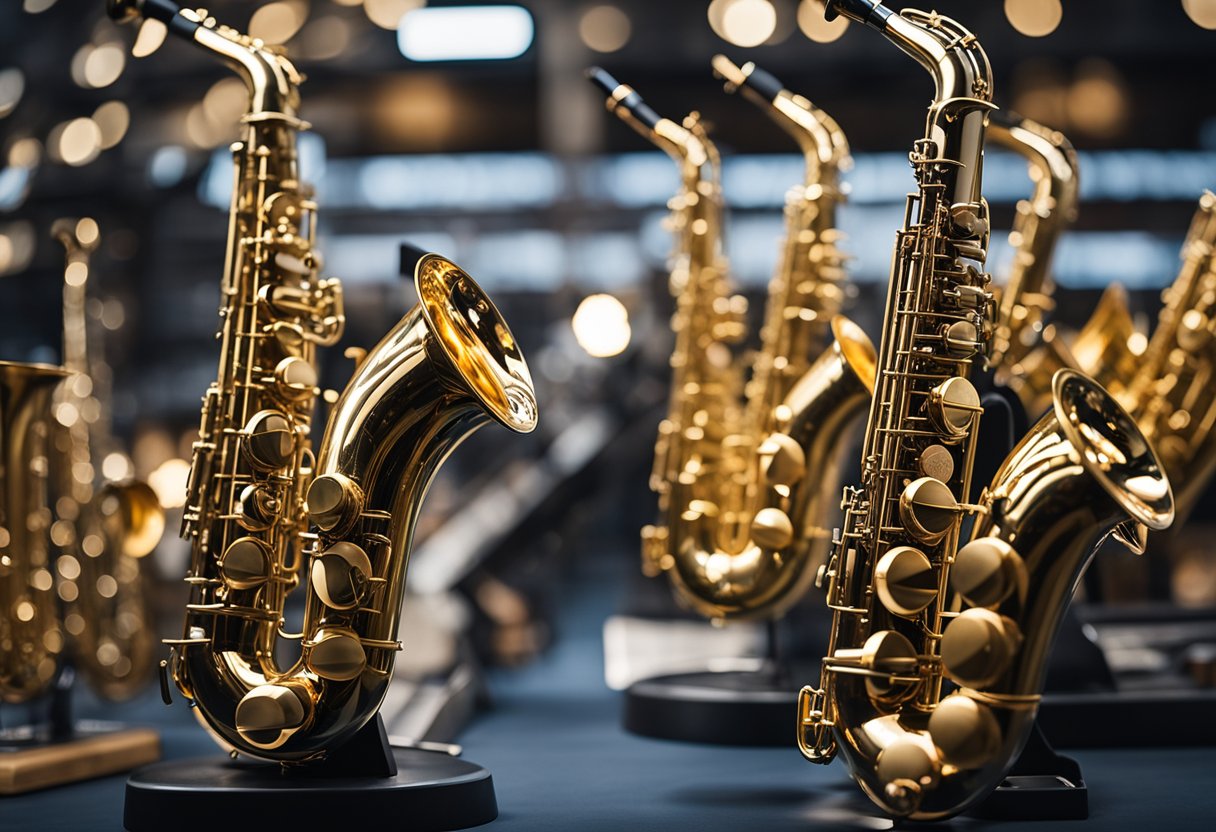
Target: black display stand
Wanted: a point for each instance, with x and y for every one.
(732, 707)
(1041, 785)
(364, 782)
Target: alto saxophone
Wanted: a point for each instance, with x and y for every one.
(1173, 394)
(1026, 351)
(264, 513)
(31, 638)
(936, 657)
(740, 485)
(102, 528)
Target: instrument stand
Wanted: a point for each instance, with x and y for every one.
(753, 707)
(365, 781)
(53, 749)
(1042, 785)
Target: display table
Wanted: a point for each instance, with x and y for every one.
(562, 762)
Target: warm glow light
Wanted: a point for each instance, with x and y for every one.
(1201, 12)
(387, 14)
(604, 28)
(1034, 18)
(87, 232)
(116, 467)
(37, 6)
(79, 142)
(465, 33)
(1097, 103)
(324, 38)
(169, 482)
(275, 23)
(12, 85)
(813, 24)
(601, 326)
(113, 118)
(103, 65)
(25, 153)
(151, 36)
(743, 22)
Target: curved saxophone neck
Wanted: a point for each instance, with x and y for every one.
(1053, 161)
(961, 74)
(687, 143)
(820, 138)
(272, 80)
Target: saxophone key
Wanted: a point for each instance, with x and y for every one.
(978, 646)
(952, 408)
(987, 571)
(341, 576)
(269, 440)
(965, 731)
(246, 563)
(928, 509)
(905, 580)
(335, 653)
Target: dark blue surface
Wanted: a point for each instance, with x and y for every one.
(561, 762)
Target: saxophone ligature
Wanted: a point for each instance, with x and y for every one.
(936, 659)
(103, 528)
(264, 513)
(32, 640)
(744, 513)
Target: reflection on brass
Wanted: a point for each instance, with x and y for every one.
(106, 526)
(447, 368)
(1173, 393)
(906, 628)
(746, 472)
(31, 635)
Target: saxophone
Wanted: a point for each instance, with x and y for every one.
(1025, 351)
(744, 516)
(31, 639)
(936, 658)
(104, 527)
(264, 512)
(1172, 395)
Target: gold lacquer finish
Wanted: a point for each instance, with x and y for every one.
(256, 486)
(1173, 392)
(744, 472)
(1026, 350)
(102, 528)
(937, 653)
(31, 636)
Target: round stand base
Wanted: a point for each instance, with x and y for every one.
(432, 791)
(755, 708)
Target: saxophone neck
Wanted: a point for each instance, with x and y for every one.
(820, 138)
(689, 146)
(271, 79)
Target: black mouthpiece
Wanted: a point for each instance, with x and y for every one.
(869, 12)
(631, 103)
(166, 11)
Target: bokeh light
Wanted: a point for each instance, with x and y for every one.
(276, 23)
(601, 326)
(169, 481)
(1034, 18)
(1201, 12)
(743, 22)
(113, 118)
(604, 28)
(813, 24)
(76, 142)
(387, 14)
(12, 86)
(151, 35)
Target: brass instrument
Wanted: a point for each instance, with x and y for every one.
(1173, 393)
(936, 660)
(745, 515)
(1026, 351)
(31, 639)
(448, 367)
(101, 528)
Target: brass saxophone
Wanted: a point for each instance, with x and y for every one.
(1026, 350)
(103, 528)
(256, 487)
(745, 515)
(936, 660)
(1173, 394)
(31, 638)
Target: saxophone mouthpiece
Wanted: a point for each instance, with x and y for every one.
(624, 97)
(870, 12)
(166, 11)
(749, 76)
